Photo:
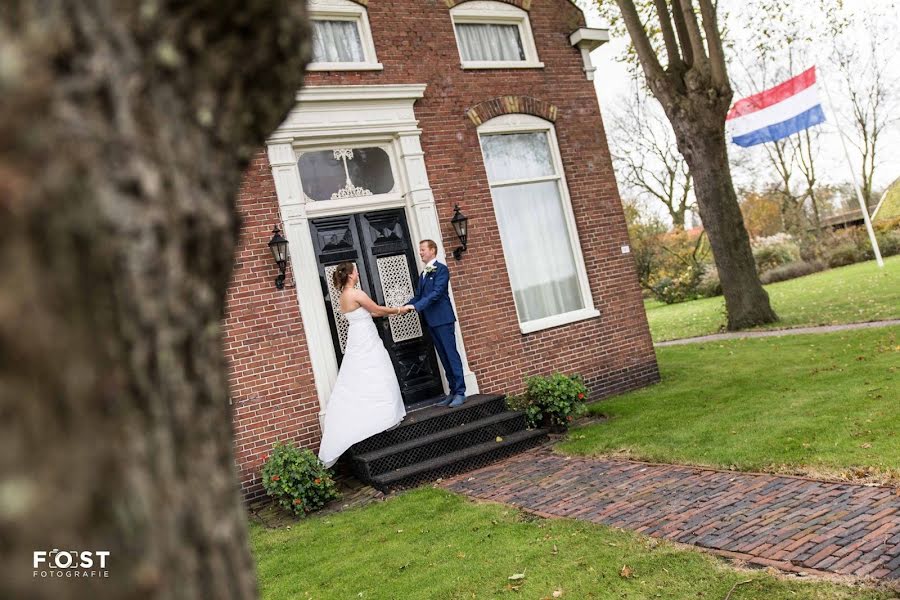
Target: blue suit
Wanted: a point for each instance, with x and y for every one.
(432, 302)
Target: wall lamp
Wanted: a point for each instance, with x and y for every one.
(460, 224)
(278, 246)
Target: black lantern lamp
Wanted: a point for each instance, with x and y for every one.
(460, 224)
(278, 246)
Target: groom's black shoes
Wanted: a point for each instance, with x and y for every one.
(458, 400)
(445, 401)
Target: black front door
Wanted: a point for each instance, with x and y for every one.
(379, 244)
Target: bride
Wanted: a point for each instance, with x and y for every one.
(366, 398)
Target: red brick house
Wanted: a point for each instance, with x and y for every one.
(410, 108)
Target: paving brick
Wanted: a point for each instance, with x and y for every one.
(790, 523)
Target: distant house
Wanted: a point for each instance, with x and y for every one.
(410, 108)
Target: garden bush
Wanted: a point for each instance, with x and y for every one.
(297, 480)
(551, 401)
(792, 271)
(774, 251)
(709, 284)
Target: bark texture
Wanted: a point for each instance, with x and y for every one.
(124, 127)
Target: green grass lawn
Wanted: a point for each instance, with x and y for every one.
(852, 294)
(431, 544)
(824, 404)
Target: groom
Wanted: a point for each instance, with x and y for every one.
(432, 301)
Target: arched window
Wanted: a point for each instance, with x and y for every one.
(493, 35)
(342, 38)
(537, 226)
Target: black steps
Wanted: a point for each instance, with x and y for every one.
(438, 441)
(459, 461)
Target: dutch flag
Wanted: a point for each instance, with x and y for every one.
(777, 112)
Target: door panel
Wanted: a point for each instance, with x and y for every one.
(379, 244)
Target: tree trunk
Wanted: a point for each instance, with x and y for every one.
(125, 127)
(703, 147)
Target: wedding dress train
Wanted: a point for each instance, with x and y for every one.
(366, 397)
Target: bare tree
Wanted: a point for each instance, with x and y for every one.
(125, 127)
(695, 93)
(871, 93)
(645, 156)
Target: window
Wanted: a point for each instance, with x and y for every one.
(345, 173)
(342, 39)
(537, 227)
(493, 35)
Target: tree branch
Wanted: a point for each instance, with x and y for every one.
(683, 37)
(714, 42)
(649, 61)
(665, 25)
(693, 31)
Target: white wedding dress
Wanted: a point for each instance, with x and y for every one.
(366, 397)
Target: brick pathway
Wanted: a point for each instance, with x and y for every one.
(789, 523)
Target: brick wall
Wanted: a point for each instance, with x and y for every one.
(414, 40)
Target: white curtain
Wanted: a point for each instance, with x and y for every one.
(536, 242)
(336, 41)
(484, 41)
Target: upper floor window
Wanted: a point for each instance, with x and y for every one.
(493, 35)
(342, 38)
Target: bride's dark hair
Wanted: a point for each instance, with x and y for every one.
(342, 274)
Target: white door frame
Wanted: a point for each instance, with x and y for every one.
(338, 116)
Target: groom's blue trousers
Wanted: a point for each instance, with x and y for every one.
(444, 337)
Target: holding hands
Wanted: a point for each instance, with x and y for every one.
(406, 309)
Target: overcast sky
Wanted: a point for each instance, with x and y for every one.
(612, 80)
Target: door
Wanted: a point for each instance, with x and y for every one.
(379, 244)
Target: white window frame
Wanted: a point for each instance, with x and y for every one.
(344, 10)
(520, 123)
(372, 202)
(491, 12)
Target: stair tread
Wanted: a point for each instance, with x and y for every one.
(433, 412)
(430, 420)
(438, 435)
(385, 479)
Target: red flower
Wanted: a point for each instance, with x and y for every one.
(298, 501)
(275, 477)
(317, 481)
(581, 396)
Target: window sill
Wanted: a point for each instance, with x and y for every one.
(471, 66)
(344, 67)
(557, 320)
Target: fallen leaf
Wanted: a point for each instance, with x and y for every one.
(517, 577)
(626, 571)
(865, 445)
(557, 594)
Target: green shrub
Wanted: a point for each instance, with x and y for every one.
(888, 242)
(792, 271)
(774, 251)
(555, 400)
(297, 480)
(845, 253)
(680, 288)
(709, 284)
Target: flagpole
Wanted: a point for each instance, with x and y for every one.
(859, 196)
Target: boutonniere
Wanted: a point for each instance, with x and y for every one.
(429, 269)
